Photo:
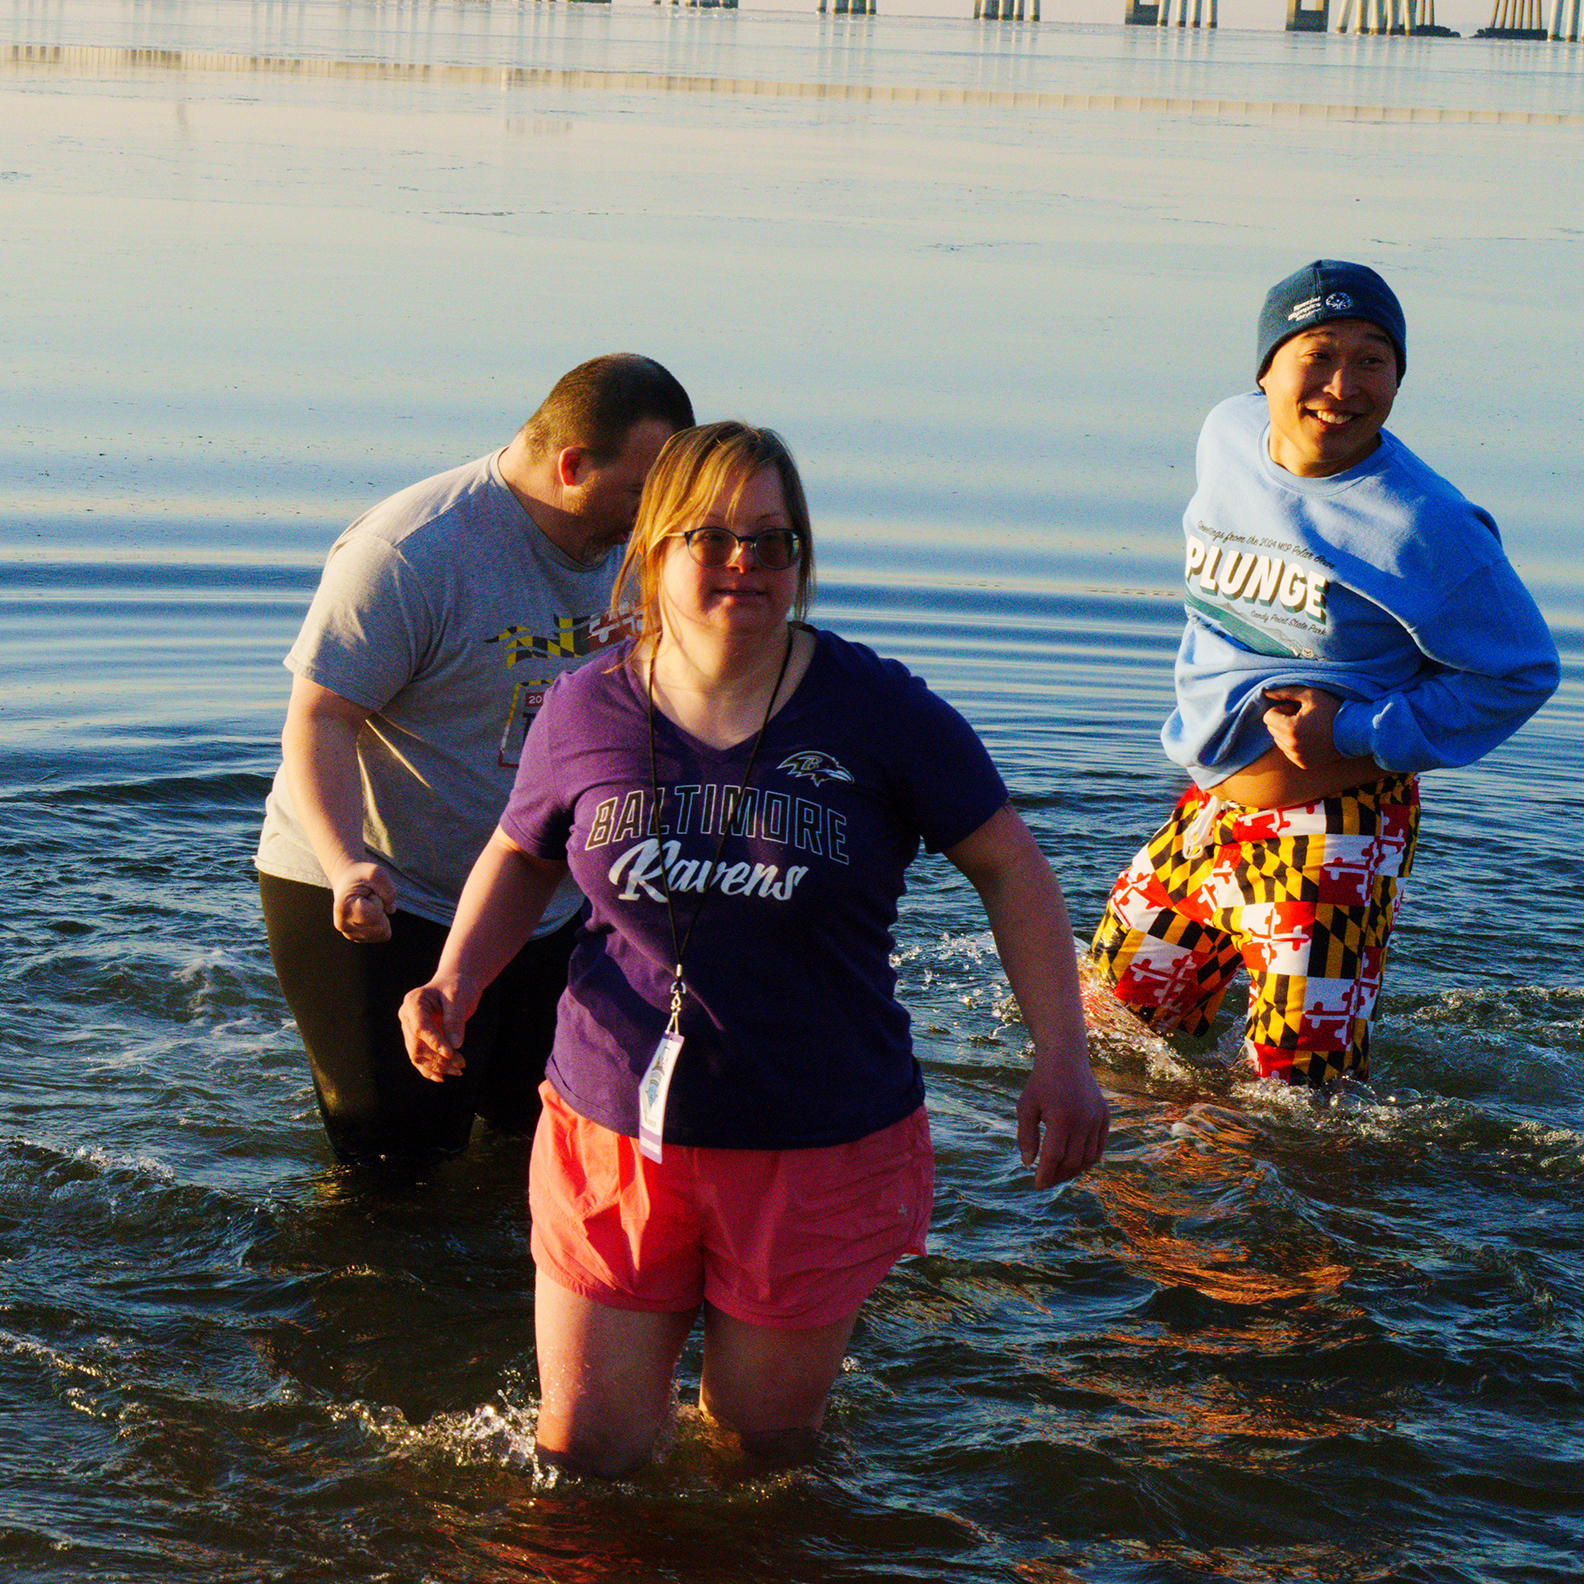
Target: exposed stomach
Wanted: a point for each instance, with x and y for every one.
(1274, 781)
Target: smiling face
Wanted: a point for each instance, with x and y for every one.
(739, 598)
(1329, 391)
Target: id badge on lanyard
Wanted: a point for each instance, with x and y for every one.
(655, 1084)
(652, 1091)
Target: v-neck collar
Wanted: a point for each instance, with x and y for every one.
(697, 744)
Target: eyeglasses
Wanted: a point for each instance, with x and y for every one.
(775, 549)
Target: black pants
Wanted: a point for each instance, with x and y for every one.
(345, 997)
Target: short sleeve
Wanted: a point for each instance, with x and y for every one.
(538, 815)
(369, 626)
(944, 773)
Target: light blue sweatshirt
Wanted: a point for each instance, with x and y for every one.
(1381, 585)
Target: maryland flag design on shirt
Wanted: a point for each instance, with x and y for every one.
(571, 638)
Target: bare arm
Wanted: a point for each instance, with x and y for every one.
(1062, 1117)
(319, 750)
(504, 899)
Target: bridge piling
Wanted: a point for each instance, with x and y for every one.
(1516, 19)
(1158, 13)
(1144, 14)
(1004, 10)
(1407, 18)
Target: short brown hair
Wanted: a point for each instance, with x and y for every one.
(693, 467)
(595, 405)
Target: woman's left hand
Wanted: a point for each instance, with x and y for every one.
(433, 1022)
(1063, 1119)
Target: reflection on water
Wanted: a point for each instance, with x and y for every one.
(897, 59)
(698, 78)
(1195, 1235)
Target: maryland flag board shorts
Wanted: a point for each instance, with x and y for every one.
(1305, 896)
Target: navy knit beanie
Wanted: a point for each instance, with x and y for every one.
(1330, 289)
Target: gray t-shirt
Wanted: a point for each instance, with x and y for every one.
(446, 612)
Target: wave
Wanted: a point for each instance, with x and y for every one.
(203, 787)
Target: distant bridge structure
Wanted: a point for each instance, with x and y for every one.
(1525, 19)
(1158, 13)
(1403, 18)
(1510, 19)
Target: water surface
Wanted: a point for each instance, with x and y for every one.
(254, 283)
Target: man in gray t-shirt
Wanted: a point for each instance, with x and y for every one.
(443, 615)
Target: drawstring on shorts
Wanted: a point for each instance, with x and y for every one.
(1198, 833)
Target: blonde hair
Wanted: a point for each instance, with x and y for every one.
(693, 467)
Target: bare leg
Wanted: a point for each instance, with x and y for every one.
(604, 1379)
(770, 1386)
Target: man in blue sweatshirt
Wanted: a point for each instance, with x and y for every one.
(1351, 621)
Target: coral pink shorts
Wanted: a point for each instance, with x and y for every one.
(789, 1239)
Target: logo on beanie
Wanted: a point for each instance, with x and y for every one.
(1307, 309)
(1338, 301)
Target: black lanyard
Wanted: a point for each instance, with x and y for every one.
(679, 944)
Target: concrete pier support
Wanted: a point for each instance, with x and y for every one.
(1571, 35)
(1143, 14)
(1515, 19)
(1305, 17)
(1412, 17)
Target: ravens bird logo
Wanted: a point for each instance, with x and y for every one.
(815, 765)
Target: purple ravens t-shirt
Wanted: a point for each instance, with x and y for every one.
(793, 1034)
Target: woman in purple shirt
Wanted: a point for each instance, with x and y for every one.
(734, 1120)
